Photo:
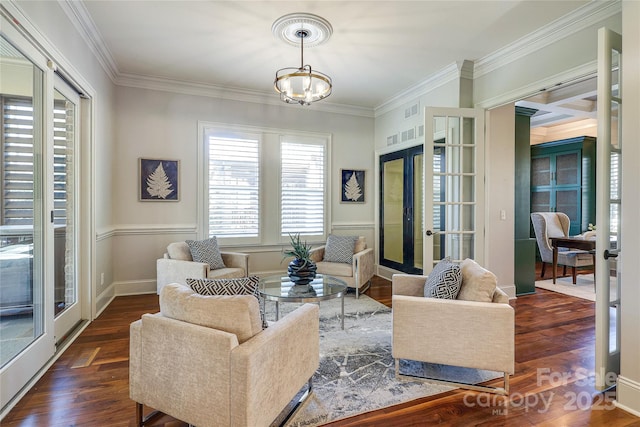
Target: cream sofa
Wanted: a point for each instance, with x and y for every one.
(356, 275)
(207, 361)
(177, 265)
(471, 334)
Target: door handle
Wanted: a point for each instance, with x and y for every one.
(610, 254)
(429, 232)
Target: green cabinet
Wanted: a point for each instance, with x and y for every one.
(563, 180)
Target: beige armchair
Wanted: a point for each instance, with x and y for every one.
(470, 334)
(206, 360)
(177, 265)
(356, 275)
(556, 224)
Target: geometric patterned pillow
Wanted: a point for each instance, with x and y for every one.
(240, 286)
(340, 248)
(206, 251)
(444, 281)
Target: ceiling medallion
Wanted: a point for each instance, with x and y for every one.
(302, 85)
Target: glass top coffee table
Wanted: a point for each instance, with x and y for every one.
(279, 288)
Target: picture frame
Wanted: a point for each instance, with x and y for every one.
(352, 188)
(158, 180)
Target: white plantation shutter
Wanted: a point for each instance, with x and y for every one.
(234, 187)
(17, 161)
(303, 188)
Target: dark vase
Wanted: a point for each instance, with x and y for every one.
(301, 272)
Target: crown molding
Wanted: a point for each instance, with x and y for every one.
(233, 94)
(570, 76)
(590, 14)
(446, 75)
(81, 20)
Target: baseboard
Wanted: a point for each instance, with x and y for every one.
(509, 290)
(104, 299)
(135, 287)
(628, 395)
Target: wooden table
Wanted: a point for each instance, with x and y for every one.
(573, 243)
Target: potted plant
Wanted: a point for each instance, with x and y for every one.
(302, 270)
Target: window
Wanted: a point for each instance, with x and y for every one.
(234, 185)
(17, 161)
(261, 185)
(302, 183)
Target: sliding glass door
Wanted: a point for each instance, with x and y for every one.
(26, 320)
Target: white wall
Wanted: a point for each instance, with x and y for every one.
(161, 124)
(628, 391)
(500, 195)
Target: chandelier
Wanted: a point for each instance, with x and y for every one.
(302, 85)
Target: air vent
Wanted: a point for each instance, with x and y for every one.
(408, 135)
(421, 130)
(393, 139)
(411, 111)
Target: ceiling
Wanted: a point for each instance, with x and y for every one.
(378, 49)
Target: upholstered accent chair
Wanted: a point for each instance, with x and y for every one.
(556, 224)
(206, 360)
(475, 332)
(177, 265)
(356, 274)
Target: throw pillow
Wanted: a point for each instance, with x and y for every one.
(206, 251)
(478, 283)
(444, 280)
(241, 286)
(339, 248)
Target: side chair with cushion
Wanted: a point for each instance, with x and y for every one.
(206, 359)
(348, 259)
(556, 224)
(199, 260)
(474, 330)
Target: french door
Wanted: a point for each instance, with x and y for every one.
(454, 189)
(608, 220)
(39, 298)
(401, 209)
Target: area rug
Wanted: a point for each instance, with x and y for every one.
(357, 371)
(582, 289)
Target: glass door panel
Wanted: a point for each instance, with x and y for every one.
(26, 341)
(392, 210)
(418, 210)
(65, 136)
(608, 202)
(453, 143)
(401, 210)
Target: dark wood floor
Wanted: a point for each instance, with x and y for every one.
(88, 384)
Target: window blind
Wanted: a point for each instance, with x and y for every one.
(234, 185)
(17, 161)
(302, 186)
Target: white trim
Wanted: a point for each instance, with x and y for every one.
(232, 94)
(590, 14)
(134, 287)
(152, 229)
(572, 75)
(353, 226)
(630, 390)
(440, 78)
(104, 299)
(86, 27)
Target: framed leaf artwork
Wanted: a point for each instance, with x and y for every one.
(352, 190)
(158, 180)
